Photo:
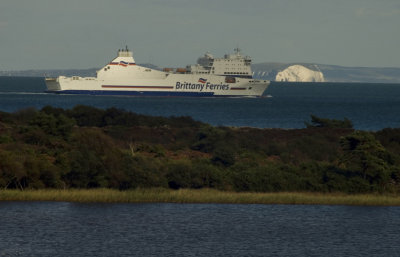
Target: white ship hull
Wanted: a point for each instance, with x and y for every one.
(173, 85)
(123, 77)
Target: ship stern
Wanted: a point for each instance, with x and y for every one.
(52, 84)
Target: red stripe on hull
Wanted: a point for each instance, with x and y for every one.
(149, 87)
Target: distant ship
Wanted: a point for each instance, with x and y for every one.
(230, 76)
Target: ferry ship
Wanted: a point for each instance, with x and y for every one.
(230, 76)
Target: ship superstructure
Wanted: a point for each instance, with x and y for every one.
(228, 76)
(234, 65)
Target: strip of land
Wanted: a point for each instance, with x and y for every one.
(87, 148)
(162, 195)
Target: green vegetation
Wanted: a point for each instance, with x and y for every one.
(89, 148)
(328, 123)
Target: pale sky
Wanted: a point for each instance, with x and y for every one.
(64, 34)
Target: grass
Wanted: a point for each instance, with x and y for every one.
(160, 195)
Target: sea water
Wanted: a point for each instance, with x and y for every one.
(75, 229)
(284, 105)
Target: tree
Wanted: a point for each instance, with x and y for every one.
(55, 125)
(11, 171)
(87, 116)
(317, 122)
(366, 156)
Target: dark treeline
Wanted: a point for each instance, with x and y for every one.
(85, 147)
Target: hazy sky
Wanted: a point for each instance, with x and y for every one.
(57, 34)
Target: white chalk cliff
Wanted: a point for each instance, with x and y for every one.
(299, 73)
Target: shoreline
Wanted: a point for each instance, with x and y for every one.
(197, 196)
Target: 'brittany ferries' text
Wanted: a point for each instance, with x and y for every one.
(200, 87)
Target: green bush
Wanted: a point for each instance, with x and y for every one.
(328, 123)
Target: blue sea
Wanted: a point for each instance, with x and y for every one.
(72, 229)
(284, 105)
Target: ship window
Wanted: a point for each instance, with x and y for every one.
(230, 80)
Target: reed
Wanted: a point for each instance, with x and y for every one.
(161, 195)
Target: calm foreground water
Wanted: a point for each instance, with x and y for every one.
(72, 229)
(286, 105)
